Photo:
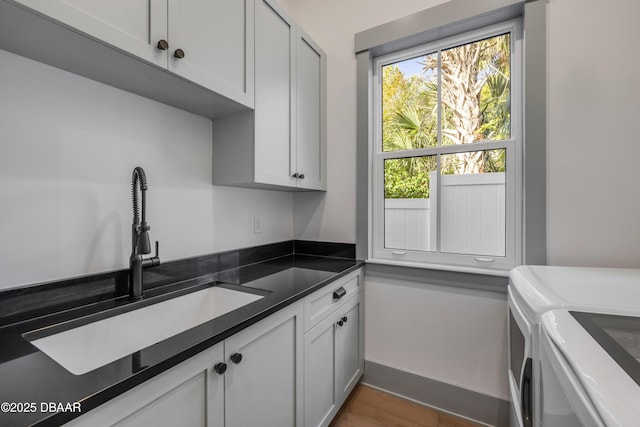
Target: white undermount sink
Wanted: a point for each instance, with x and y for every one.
(96, 344)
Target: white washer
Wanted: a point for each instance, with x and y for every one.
(590, 369)
(534, 290)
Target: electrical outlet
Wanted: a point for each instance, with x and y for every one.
(257, 224)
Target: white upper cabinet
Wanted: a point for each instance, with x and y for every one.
(275, 101)
(310, 153)
(211, 43)
(135, 26)
(282, 144)
(207, 44)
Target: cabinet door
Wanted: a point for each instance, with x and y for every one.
(310, 148)
(274, 100)
(134, 26)
(349, 348)
(216, 38)
(265, 387)
(190, 394)
(320, 373)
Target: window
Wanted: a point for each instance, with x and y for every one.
(447, 152)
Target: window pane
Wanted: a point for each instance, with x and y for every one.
(409, 213)
(409, 98)
(476, 91)
(472, 197)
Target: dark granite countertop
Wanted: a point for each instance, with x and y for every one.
(28, 376)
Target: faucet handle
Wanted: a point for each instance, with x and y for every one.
(153, 261)
(156, 259)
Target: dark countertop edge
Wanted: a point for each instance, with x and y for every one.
(103, 396)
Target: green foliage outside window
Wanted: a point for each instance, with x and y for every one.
(475, 106)
(408, 178)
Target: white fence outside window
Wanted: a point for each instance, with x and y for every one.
(473, 217)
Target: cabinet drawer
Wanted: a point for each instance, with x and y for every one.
(322, 303)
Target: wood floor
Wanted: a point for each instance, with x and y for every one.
(368, 407)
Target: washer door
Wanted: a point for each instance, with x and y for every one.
(520, 366)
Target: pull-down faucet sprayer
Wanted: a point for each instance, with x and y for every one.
(139, 236)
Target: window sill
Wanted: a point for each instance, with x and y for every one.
(444, 267)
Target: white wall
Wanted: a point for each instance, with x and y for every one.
(452, 335)
(68, 146)
(593, 176)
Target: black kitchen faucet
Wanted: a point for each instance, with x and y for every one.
(139, 236)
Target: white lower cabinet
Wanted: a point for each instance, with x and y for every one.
(350, 354)
(271, 374)
(265, 387)
(189, 394)
(334, 361)
(252, 378)
(320, 373)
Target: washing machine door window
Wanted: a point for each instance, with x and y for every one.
(516, 345)
(520, 367)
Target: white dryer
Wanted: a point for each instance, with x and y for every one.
(534, 290)
(590, 373)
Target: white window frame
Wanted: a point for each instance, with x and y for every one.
(514, 164)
